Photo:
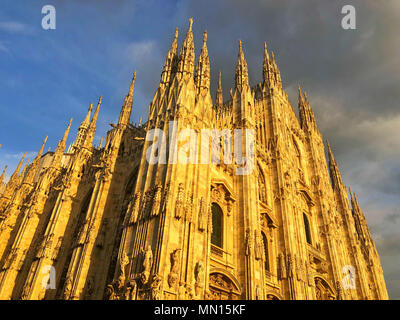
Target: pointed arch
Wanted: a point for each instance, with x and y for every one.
(224, 285)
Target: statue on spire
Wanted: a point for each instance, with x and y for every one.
(219, 95)
(202, 77)
(171, 61)
(186, 57)
(126, 110)
(242, 75)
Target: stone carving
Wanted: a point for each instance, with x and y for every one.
(147, 264)
(124, 261)
(248, 242)
(173, 275)
(189, 208)
(198, 276)
(130, 292)
(156, 201)
(229, 206)
(179, 204)
(156, 287)
(202, 214)
(133, 208)
(291, 266)
(259, 248)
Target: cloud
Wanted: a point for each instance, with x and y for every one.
(138, 51)
(15, 27)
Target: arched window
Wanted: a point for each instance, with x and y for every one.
(307, 228)
(266, 254)
(217, 225)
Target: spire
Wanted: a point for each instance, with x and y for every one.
(202, 78)
(271, 73)
(307, 120)
(24, 170)
(242, 75)
(186, 57)
(101, 143)
(330, 153)
(3, 175)
(92, 126)
(85, 122)
(301, 101)
(16, 172)
(80, 138)
(126, 110)
(219, 96)
(34, 167)
(333, 168)
(39, 155)
(58, 154)
(266, 65)
(171, 61)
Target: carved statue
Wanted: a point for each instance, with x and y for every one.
(202, 215)
(291, 266)
(258, 245)
(248, 242)
(156, 201)
(198, 276)
(124, 261)
(173, 275)
(133, 208)
(147, 264)
(179, 202)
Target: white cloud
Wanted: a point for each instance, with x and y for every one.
(15, 27)
(137, 51)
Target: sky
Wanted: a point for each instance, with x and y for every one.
(352, 78)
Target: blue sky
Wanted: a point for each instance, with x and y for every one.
(48, 76)
(352, 77)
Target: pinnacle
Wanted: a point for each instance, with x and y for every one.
(190, 24)
(132, 86)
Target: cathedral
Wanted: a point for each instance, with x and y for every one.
(124, 220)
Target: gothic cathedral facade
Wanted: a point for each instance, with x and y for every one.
(105, 222)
